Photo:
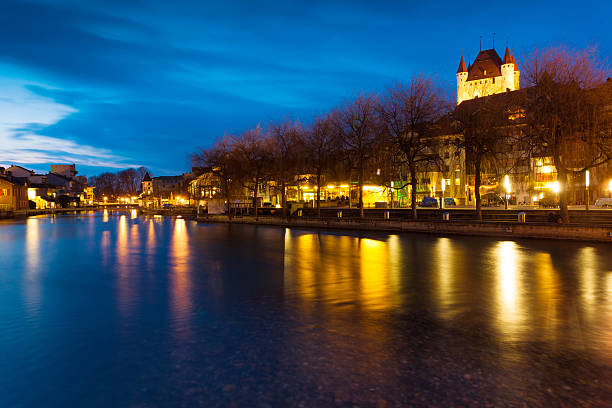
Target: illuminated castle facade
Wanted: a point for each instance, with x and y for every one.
(488, 75)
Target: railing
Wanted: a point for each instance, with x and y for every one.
(5, 207)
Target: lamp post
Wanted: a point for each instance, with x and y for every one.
(556, 188)
(507, 186)
(443, 188)
(587, 189)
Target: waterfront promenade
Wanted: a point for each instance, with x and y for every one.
(593, 225)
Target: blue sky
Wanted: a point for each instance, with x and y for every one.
(119, 83)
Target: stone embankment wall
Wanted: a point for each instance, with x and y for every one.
(496, 229)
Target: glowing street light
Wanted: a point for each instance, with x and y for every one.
(556, 187)
(507, 186)
(586, 174)
(443, 188)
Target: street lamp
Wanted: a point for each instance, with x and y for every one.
(587, 189)
(556, 187)
(443, 188)
(507, 186)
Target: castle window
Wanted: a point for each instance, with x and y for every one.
(493, 80)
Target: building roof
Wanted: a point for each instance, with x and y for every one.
(486, 65)
(18, 181)
(507, 57)
(146, 177)
(515, 64)
(462, 67)
(169, 178)
(22, 168)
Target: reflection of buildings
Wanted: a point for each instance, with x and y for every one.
(317, 270)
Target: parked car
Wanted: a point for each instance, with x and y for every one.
(603, 202)
(449, 202)
(429, 202)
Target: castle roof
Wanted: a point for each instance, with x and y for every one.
(507, 57)
(486, 65)
(462, 67)
(515, 64)
(146, 177)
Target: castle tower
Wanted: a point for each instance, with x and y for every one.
(507, 72)
(488, 75)
(462, 74)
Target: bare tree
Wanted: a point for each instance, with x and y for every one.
(408, 114)
(222, 162)
(253, 160)
(565, 111)
(358, 128)
(128, 181)
(105, 184)
(482, 123)
(321, 147)
(286, 143)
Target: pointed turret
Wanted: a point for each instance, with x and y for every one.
(462, 67)
(146, 177)
(507, 57)
(514, 62)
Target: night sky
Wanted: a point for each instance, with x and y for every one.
(117, 83)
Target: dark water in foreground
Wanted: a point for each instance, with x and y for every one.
(101, 311)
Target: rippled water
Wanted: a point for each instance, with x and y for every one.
(120, 310)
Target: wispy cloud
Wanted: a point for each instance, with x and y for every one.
(23, 115)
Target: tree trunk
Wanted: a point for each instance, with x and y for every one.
(228, 198)
(477, 190)
(318, 192)
(361, 212)
(255, 197)
(283, 200)
(563, 190)
(413, 186)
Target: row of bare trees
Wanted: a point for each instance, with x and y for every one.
(124, 182)
(563, 112)
(349, 141)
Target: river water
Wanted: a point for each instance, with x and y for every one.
(119, 310)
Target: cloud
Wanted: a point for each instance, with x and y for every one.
(24, 114)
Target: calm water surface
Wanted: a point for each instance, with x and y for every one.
(119, 310)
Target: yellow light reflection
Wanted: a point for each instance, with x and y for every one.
(32, 273)
(123, 269)
(105, 216)
(317, 268)
(180, 275)
(587, 262)
(510, 315)
(444, 276)
(377, 292)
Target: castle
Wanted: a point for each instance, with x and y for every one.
(488, 75)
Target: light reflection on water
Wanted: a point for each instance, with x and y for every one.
(516, 290)
(32, 284)
(161, 277)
